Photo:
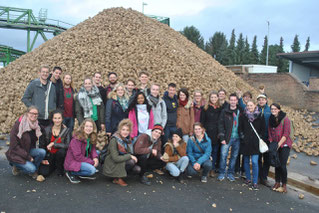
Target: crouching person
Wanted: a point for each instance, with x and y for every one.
(22, 153)
(175, 155)
(199, 150)
(148, 152)
(81, 159)
(119, 159)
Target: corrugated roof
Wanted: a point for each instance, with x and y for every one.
(310, 58)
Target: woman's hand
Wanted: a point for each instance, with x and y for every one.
(96, 162)
(134, 158)
(45, 162)
(164, 160)
(154, 152)
(49, 147)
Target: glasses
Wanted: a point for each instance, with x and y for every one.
(34, 113)
(273, 109)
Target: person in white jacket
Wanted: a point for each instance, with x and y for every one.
(158, 105)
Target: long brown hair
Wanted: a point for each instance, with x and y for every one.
(81, 135)
(71, 84)
(208, 101)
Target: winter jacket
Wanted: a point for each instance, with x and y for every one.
(265, 111)
(249, 141)
(114, 164)
(102, 91)
(35, 95)
(113, 115)
(143, 143)
(193, 152)
(171, 108)
(159, 111)
(59, 93)
(80, 114)
(132, 115)
(185, 118)
(76, 155)
(225, 123)
(209, 118)
(74, 99)
(19, 149)
(198, 109)
(175, 153)
(275, 133)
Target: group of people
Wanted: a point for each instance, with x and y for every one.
(183, 135)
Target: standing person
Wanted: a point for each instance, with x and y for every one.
(119, 159)
(158, 105)
(97, 81)
(35, 95)
(243, 99)
(81, 159)
(56, 142)
(116, 108)
(112, 77)
(22, 153)
(69, 104)
(209, 118)
(171, 103)
(222, 98)
(55, 78)
(199, 150)
(144, 77)
(279, 131)
(175, 156)
(185, 113)
(89, 104)
(199, 102)
(131, 89)
(148, 152)
(250, 141)
(264, 160)
(141, 115)
(228, 134)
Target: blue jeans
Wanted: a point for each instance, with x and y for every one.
(206, 166)
(31, 167)
(215, 150)
(168, 133)
(175, 168)
(69, 122)
(185, 138)
(254, 161)
(234, 143)
(86, 170)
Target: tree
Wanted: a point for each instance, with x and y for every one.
(240, 48)
(307, 44)
(246, 57)
(282, 64)
(230, 52)
(263, 53)
(254, 53)
(295, 47)
(193, 34)
(217, 46)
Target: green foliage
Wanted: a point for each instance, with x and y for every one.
(231, 51)
(263, 54)
(295, 47)
(307, 44)
(240, 48)
(217, 46)
(254, 53)
(193, 34)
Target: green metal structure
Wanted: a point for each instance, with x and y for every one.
(164, 20)
(24, 19)
(8, 54)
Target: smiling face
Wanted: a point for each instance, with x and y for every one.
(274, 110)
(57, 119)
(143, 79)
(156, 134)
(88, 84)
(176, 138)
(120, 91)
(197, 97)
(57, 74)
(97, 78)
(125, 131)
(155, 90)
(140, 99)
(246, 98)
(199, 131)
(213, 99)
(44, 73)
(112, 79)
(251, 106)
(221, 95)
(171, 91)
(182, 96)
(67, 80)
(130, 86)
(233, 101)
(32, 115)
(88, 127)
(262, 101)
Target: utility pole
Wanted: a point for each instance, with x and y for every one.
(267, 45)
(143, 4)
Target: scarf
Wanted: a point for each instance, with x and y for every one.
(88, 147)
(123, 102)
(154, 100)
(122, 144)
(85, 101)
(275, 121)
(182, 103)
(200, 104)
(252, 115)
(26, 126)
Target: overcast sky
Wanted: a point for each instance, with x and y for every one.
(287, 17)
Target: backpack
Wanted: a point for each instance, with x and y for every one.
(292, 128)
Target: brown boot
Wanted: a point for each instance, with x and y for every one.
(284, 186)
(120, 182)
(276, 186)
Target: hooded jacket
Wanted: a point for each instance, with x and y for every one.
(144, 145)
(171, 107)
(159, 111)
(185, 118)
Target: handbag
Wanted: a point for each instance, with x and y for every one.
(274, 155)
(262, 145)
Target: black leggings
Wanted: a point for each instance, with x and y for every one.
(150, 163)
(281, 172)
(132, 167)
(56, 161)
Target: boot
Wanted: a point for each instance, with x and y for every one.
(276, 186)
(120, 182)
(181, 178)
(284, 186)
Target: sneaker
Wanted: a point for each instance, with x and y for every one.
(231, 177)
(72, 178)
(87, 177)
(212, 173)
(145, 180)
(203, 179)
(15, 170)
(237, 175)
(243, 175)
(159, 172)
(247, 182)
(119, 181)
(255, 187)
(221, 177)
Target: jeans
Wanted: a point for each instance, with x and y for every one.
(206, 166)
(281, 172)
(215, 150)
(86, 170)
(176, 168)
(31, 167)
(254, 161)
(234, 143)
(69, 122)
(168, 133)
(185, 138)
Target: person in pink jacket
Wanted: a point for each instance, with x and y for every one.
(81, 159)
(141, 115)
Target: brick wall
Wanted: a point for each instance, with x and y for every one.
(285, 89)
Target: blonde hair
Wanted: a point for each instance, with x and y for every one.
(71, 80)
(208, 102)
(113, 95)
(81, 135)
(125, 122)
(44, 66)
